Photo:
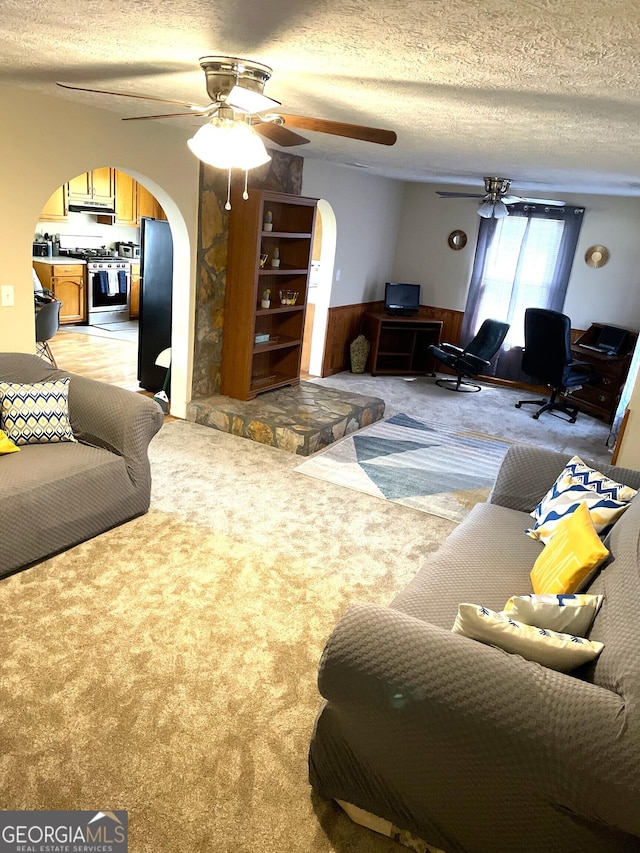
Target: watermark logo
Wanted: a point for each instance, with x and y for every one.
(64, 832)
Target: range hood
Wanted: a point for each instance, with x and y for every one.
(105, 207)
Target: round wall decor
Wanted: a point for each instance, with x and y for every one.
(596, 256)
(457, 240)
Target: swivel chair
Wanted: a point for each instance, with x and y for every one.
(547, 358)
(47, 324)
(473, 359)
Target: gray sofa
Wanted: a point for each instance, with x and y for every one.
(54, 496)
(470, 748)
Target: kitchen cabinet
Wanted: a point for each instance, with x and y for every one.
(148, 205)
(55, 210)
(67, 282)
(126, 199)
(262, 347)
(97, 185)
(134, 298)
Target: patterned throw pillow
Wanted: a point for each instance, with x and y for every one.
(6, 445)
(562, 652)
(37, 413)
(564, 497)
(595, 480)
(574, 553)
(569, 614)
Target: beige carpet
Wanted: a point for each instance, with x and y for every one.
(168, 667)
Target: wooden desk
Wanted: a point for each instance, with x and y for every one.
(600, 398)
(400, 345)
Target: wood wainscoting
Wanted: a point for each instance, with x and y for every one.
(344, 323)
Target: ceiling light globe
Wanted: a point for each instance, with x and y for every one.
(228, 144)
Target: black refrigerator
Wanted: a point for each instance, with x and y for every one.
(156, 286)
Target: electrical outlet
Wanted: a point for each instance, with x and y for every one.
(6, 296)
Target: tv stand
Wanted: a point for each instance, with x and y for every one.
(400, 345)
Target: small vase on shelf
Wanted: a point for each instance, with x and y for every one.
(275, 258)
(267, 225)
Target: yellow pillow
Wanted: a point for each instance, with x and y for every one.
(574, 552)
(6, 445)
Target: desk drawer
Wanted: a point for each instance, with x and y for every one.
(597, 394)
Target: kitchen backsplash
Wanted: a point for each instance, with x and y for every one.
(82, 230)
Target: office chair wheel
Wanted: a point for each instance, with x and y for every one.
(518, 405)
(536, 416)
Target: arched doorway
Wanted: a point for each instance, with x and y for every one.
(321, 281)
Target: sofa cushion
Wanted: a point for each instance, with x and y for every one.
(56, 495)
(562, 652)
(36, 413)
(573, 554)
(569, 614)
(485, 559)
(563, 498)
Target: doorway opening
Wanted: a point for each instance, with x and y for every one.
(89, 236)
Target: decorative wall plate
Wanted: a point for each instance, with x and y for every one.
(457, 240)
(596, 256)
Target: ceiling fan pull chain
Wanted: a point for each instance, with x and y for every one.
(245, 194)
(228, 204)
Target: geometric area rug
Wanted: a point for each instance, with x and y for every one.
(430, 467)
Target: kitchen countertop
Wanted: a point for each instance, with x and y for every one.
(59, 260)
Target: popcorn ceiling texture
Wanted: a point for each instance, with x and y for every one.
(544, 91)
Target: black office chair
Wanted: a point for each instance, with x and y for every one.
(473, 359)
(547, 358)
(47, 324)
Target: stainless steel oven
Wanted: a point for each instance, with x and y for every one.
(108, 290)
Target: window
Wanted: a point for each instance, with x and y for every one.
(522, 261)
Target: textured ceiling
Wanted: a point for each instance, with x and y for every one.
(546, 92)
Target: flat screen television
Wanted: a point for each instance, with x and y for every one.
(402, 299)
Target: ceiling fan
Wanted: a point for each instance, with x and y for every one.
(496, 198)
(236, 85)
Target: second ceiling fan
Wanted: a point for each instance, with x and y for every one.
(496, 198)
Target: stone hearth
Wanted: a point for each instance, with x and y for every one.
(299, 420)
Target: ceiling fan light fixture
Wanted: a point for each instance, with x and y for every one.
(500, 210)
(228, 144)
(485, 210)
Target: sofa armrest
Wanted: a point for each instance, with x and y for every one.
(118, 420)
(410, 694)
(525, 476)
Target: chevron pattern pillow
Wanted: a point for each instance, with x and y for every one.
(593, 479)
(563, 498)
(37, 413)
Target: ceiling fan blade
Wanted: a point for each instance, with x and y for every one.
(279, 134)
(511, 199)
(552, 202)
(338, 128)
(459, 195)
(166, 115)
(132, 95)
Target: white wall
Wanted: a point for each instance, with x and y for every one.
(610, 294)
(46, 141)
(367, 210)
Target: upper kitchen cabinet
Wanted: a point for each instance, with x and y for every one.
(95, 186)
(148, 205)
(55, 210)
(126, 200)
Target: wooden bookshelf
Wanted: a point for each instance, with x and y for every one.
(251, 365)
